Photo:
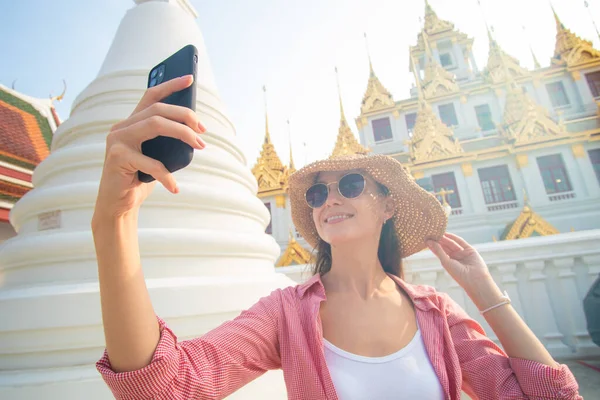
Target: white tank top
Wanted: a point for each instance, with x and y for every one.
(406, 374)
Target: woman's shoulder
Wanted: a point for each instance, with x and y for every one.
(430, 296)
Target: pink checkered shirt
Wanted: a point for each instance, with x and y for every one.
(283, 330)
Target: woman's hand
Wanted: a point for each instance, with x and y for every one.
(462, 261)
(120, 190)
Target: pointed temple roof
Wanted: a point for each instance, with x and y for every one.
(269, 172)
(527, 224)
(346, 142)
(27, 125)
(376, 96)
(294, 254)
(434, 26)
(527, 122)
(437, 80)
(570, 49)
(432, 139)
(496, 71)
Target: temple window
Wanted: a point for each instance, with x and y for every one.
(554, 174)
(595, 159)
(484, 117)
(411, 119)
(447, 182)
(557, 93)
(382, 129)
(439, 182)
(269, 229)
(446, 60)
(593, 80)
(448, 114)
(496, 184)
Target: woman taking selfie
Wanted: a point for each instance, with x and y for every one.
(355, 330)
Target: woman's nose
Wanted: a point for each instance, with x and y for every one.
(334, 197)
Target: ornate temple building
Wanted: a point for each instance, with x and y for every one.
(513, 152)
(26, 128)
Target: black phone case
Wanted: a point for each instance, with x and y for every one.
(174, 153)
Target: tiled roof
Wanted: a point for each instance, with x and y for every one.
(11, 192)
(25, 134)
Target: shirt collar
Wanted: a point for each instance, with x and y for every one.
(421, 296)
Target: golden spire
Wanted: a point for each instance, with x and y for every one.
(536, 63)
(436, 81)
(292, 167)
(371, 72)
(293, 254)
(432, 139)
(376, 96)
(500, 66)
(346, 142)
(570, 49)
(433, 24)
(269, 172)
(527, 224)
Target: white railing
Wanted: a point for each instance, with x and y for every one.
(545, 277)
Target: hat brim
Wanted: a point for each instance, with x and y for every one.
(418, 215)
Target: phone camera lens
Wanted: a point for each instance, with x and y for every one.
(153, 82)
(153, 74)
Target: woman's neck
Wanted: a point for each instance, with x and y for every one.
(355, 269)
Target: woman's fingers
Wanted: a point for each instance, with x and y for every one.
(437, 249)
(159, 92)
(462, 242)
(149, 128)
(450, 245)
(169, 111)
(156, 169)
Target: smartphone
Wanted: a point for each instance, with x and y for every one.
(173, 153)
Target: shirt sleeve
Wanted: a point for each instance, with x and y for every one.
(488, 372)
(208, 367)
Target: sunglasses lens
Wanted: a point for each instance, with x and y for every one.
(316, 195)
(352, 185)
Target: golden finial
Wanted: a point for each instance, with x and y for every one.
(337, 77)
(292, 166)
(267, 135)
(536, 63)
(369, 55)
(443, 193)
(62, 95)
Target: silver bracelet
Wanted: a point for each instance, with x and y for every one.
(506, 300)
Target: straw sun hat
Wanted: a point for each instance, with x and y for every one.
(418, 214)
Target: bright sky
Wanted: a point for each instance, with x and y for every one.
(292, 47)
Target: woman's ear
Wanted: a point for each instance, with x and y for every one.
(389, 208)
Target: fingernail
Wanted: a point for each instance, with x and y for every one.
(184, 77)
(176, 190)
(200, 142)
(201, 127)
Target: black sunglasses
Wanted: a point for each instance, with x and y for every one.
(350, 187)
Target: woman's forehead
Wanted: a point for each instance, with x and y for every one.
(332, 176)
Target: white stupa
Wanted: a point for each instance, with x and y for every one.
(204, 251)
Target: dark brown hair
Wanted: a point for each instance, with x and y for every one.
(388, 252)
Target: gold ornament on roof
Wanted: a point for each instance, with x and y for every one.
(500, 63)
(346, 142)
(527, 122)
(269, 172)
(437, 80)
(294, 254)
(433, 24)
(431, 140)
(527, 224)
(570, 49)
(376, 96)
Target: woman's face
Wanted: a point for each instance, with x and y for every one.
(361, 217)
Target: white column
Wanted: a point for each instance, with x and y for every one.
(204, 251)
(571, 305)
(539, 310)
